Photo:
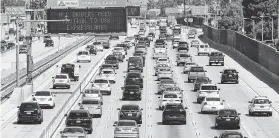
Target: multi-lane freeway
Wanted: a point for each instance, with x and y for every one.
(198, 125)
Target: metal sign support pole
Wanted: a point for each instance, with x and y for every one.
(17, 53)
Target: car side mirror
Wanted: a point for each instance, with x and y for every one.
(53, 77)
(221, 71)
(65, 115)
(215, 137)
(17, 106)
(126, 59)
(139, 125)
(219, 89)
(115, 122)
(186, 107)
(118, 108)
(33, 95)
(249, 101)
(223, 100)
(79, 66)
(61, 132)
(245, 137)
(237, 72)
(57, 65)
(238, 113)
(79, 103)
(270, 102)
(122, 88)
(159, 97)
(205, 71)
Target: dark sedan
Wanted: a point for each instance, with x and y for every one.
(229, 75)
(227, 118)
(130, 112)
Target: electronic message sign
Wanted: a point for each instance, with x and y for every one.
(133, 10)
(107, 20)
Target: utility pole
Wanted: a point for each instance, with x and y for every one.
(17, 52)
(277, 23)
(28, 38)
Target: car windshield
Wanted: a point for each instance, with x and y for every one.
(229, 71)
(170, 96)
(159, 41)
(165, 69)
(83, 53)
(184, 55)
(195, 41)
(133, 75)
(91, 91)
(132, 87)
(172, 89)
(162, 65)
(43, 93)
(162, 59)
(118, 48)
(216, 54)
(97, 43)
(227, 112)
(78, 114)
(28, 106)
(202, 79)
(111, 58)
(73, 130)
(159, 46)
(129, 107)
(232, 136)
(212, 99)
(140, 47)
(101, 81)
(209, 87)
(167, 82)
(126, 123)
(61, 77)
(90, 102)
(182, 43)
(261, 101)
(190, 63)
(176, 39)
(174, 107)
(107, 72)
(197, 69)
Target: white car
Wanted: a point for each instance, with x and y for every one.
(73, 132)
(175, 90)
(98, 46)
(204, 49)
(83, 56)
(168, 98)
(131, 39)
(102, 84)
(187, 66)
(126, 129)
(44, 99)
(212, 104)
(141, 48)
(260, 105)
(175, 44)
(163, 60)
(158, 53)
(207, 90)
(94, 106)
(158, 66)
(119, 49)
(141, 32)
(108, 74)
(93, 93)
(164, 72)
(61, 80)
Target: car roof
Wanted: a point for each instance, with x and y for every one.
(227, 109)
(231, 132)
(261, 97)
(130, 105)
(79, 111)
(230, 69)
(101, 78)
(209, 84)
(126, 121)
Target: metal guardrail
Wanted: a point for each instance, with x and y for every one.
(57, 120)
(39, 67)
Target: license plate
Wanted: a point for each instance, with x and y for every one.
(131, 92)
(130, 115)
(29, 113)
(214, 107)
(230, 75)
(78, 121)
(228, 119)
(60, 80)
(262, 106)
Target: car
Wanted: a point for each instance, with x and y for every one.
(22, 49)
(195, 43)
(163, 37)
(130, 112)
(109, 74)
(201, 80)
(131, 92)
(92, 93)
(92, 50)
(141, 33)
(191, 35)
(216, 58)
(183, 46)
(212, 104)
(83, 56)
(260, 105)
(174, 89)
(151, 36)
(175, 44)
(119, 56)
(44, 98)
(194, 72)
(131, 39)
(126, 128)
(174, 112)
(187, 66)
(207, 90)
(45, 38)
(120, 49)
(98, 46)
(135, 63)
(168, 98)
(102, 84)
(227, 118)
(114, 37)
(89, 46)
(107, 66)
(146, 40)
(128, 43)
(106, 44)
(94, 106)
(165, 83)
(193, 31)
(204, 49)
(80, 118)
(10, 45)
(71, 69)
(141, 48)
(163, 60)
(69, 132)
(134, 78)
(61, 80)
(140, 54)
(229, 75)
(158, 66)
(160, 41)
(159, 51)
(182, 58)
(49, 43)
(164, 72)
(230, 134)
(29, 112)
(112, 60)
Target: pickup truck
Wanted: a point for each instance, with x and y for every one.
(183, 58)
(216, 58)
(195, 72)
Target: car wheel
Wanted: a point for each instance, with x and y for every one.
(184, 122)
(109, 93)
(210, 64)
(78, 61)
(222, 82)
(54, 87)
(202, 112)
(222, 64)
(251, 113)
(68, 87)
(40, 121)
(199, 54)
(269, 114)
(90, 131)
(177, 64)
(236, 82)
(164, 122)
(189, 80)
(140, 122)
(89, 60)
(19, 122)
(238, 127)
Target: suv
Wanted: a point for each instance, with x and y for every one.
(216, 58)
(227, 118)
(61, 80)
(229, 75)
(260, 105)
(135, 62)
(201, 80)
(174, 112)
(81, 118)
(72, 70)
(29, 112)
(194, 72)
(182, 46)
(183, 58)
(131, 91)
(49, 42)
(207, 90)
(134, 78)
(228, 134)
(113, 60)
(130, 112)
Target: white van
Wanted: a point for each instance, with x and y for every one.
(204, 49)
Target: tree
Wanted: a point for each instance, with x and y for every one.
(231, 17)
(151, 4)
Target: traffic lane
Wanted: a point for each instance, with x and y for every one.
(238, 95)
(49, 114)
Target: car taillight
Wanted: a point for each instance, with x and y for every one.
(205, 103)
(219, 118)
(50, 99)
(99, 107)
(135, 129)
(221, 103)
(117, 129)
(237, 118)
(34, 99)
